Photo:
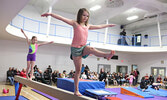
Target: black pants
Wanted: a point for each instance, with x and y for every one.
(145, 87)
(42, 80)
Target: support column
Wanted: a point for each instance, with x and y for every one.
(159, 31)
(49, 20)
(106, 31)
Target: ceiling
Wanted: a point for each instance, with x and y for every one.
(8, 10)
(115, 12)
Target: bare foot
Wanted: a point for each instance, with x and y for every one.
(30, 78)
(111, 55)
(77, 94)
(27, 77)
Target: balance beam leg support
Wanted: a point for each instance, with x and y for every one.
(16, 87)
(18, 92)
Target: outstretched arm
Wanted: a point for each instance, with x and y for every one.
(66, 20)
(25, 36)
(45, 43)
(92, 27)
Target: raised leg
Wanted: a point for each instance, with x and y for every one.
(90, 50)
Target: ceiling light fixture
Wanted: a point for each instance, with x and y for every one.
(132, 17)
(94, 8)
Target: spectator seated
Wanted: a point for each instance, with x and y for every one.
(47, 77)
(10, 76)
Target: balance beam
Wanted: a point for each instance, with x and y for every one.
(50, 90)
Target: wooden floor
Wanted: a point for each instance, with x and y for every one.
(26, 92)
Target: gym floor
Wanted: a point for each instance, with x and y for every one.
(26, 92)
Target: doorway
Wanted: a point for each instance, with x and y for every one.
(137, 39)
(133, 67)
(155, 71)
(122, 69)
(107, 68)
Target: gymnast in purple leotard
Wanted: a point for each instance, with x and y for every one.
(32, 52)
(31, 57)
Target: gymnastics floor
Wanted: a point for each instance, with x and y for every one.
(127, 97)
(124, 97)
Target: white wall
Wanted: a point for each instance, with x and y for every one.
(147, 60)
(13, 54)
(31, 12)
(153, 31)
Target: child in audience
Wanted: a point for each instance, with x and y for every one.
(31, 57)
(23, 73)
(159, 79)
(147, 79)
(155, 86)
(131, 77)
(79, 48)
(143, 84)
(83, 76)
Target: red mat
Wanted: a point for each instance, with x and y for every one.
(113, 98)
(82, 80)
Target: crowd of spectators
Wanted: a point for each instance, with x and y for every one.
(14, 71)
(147, 81)
(117, 79)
